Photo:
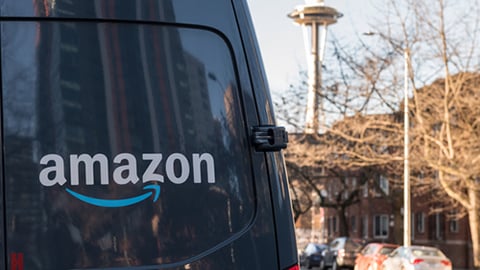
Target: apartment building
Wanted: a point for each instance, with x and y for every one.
(378, 218)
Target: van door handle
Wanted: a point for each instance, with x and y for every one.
(269, 138)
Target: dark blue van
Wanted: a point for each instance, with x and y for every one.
(138, 134)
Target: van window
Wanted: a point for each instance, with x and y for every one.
(124, 144)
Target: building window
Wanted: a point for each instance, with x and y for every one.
(420, 222)
(454, 225)
(331, 192)
(439, 226)
(382, 185)
(412, 226)
(421, 177)
(365, 190)
(383, 182)
(353, 223)
(329, 224)
(354, 182)
(334, 224)
(365, 227)
(453, 222)
(380, 226)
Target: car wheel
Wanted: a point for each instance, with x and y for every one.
(307, 265)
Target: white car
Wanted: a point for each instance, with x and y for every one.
(417, 258)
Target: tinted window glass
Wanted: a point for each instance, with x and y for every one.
(124, 144)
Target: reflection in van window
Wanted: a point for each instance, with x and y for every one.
(122, 144)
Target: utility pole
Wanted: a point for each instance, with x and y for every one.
(407, 212)
(407, 202)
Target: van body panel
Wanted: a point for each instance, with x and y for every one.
(276, 165)
(126, 139)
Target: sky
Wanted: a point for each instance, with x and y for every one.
(281, 41)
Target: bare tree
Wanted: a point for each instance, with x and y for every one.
(441, 42)
(447, 132)
(365, 88)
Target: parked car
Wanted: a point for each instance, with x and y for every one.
(417, 258)
(312, 255)
(341, 252)
(372, 256)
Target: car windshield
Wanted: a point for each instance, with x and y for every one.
(386, 250)
(352, 245)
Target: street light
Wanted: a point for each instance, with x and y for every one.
(316, 16)
(407, 212)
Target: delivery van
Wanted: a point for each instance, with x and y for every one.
(139, 135)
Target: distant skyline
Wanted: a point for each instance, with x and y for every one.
(281, 41)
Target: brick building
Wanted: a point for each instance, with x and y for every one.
(378, 218)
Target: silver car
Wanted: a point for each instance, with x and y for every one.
(417, 258)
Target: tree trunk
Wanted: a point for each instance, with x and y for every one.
(474, 222)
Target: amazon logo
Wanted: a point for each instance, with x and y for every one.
(177, 167)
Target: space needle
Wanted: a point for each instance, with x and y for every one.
(314, 18)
